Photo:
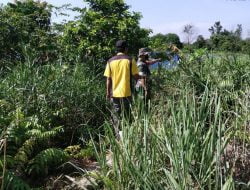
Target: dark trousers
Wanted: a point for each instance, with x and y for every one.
(121, 108)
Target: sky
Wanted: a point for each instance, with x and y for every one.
(170, 16)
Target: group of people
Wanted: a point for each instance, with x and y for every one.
(120, 71)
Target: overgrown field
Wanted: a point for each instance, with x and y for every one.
(196, 134)
(44, 110)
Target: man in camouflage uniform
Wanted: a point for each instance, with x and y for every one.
(143, 86)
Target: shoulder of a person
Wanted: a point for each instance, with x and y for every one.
(120, 56)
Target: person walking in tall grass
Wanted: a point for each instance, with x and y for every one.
(119, 71)
(143, 85)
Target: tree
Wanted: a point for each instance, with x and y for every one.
(99, 26)
(246, 46)
(200, 42)
(26, 24)
(238, 31)
(225, 40)
(190, 32)
(160, 42)
(216, 29)
(230, 43)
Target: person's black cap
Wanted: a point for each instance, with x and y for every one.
(121, 44)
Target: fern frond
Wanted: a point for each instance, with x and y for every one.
(18, 129)
(46, 134)
(33, 123)
(49, 158)
(52, 133)
(13, 182)
(37, 138)
(26, 150)
(16, 134)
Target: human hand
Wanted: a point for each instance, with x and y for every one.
(108, 96)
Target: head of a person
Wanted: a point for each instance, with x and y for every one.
(121, 46)
(144, 54)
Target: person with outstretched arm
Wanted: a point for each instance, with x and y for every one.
(143, 85)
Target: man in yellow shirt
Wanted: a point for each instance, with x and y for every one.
(119, 71)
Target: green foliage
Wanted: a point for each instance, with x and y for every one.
(45, 161)
(25, 137)
(11, 181)
(73, 150)
(52, 94)
(221, 40)
(225, 40)
(246, 46)
(97, 29)
(77, 152)
(50, 107)
(180, 143)
(225, 71)
(60, 103)
(200, 42)
(26, 23)
(177, 147)
(160, 42)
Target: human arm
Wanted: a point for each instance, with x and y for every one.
(108, 88)
(151, 62)
(107, 74)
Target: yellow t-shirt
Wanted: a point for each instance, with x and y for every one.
(118, 69)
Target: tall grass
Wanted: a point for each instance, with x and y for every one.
(58, 94)
(178, 148)
(44, 109)
(181, 143)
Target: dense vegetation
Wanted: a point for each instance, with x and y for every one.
(54, 119)
(196, 135)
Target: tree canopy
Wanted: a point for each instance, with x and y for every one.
(99, 26)
(162, 41)
(222, 39)
(25, 24)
